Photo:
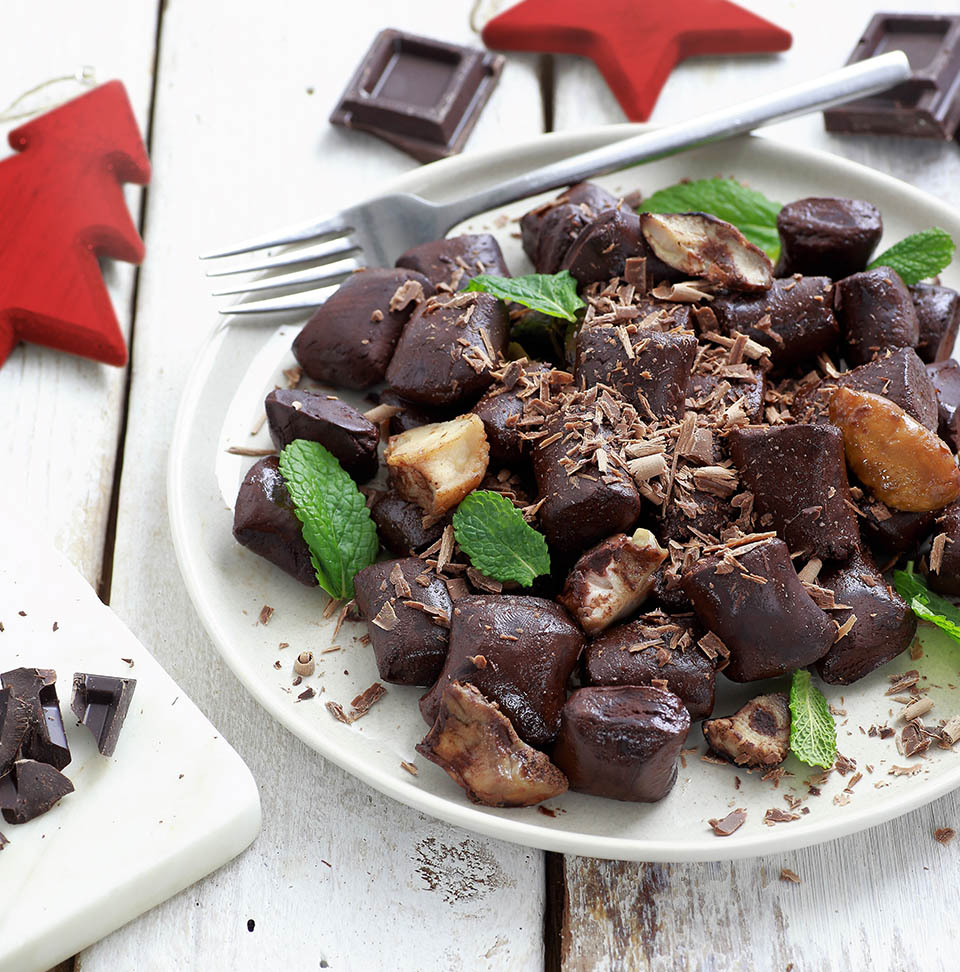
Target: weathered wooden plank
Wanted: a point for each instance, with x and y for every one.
(62, 414)
(852, 908)
(340, 874)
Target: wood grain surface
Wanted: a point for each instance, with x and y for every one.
(341, 876)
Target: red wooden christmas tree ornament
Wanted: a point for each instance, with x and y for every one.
(62, 206)
(634, 43)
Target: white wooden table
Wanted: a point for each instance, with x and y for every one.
(235, 98)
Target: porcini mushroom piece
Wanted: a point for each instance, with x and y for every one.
(435, 466)
(475, 743)
(756, 735)
(612, 580)
(903, 464)
(703, 246)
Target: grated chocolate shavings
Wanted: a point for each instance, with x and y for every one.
(775, 815)
(790, 876)
(386, 617)
(409, 767)
(730, 824)
(904, 770)
(266, 613)
(400, 586)
(936, 551)
(943, 835)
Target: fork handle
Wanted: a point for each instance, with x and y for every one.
(855, 80)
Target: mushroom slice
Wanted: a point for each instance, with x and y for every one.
(477, 746)
(756, 735)
(612, 579)
(704, 246)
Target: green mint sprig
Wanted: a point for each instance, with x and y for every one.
(919, 255)
(813, 735)
(336, 522)
(750, 211)
(499, 542)
(925, 604)
(552, 294)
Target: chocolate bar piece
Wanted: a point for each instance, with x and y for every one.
(14, 722)
(101, 702)
(423, 96)
(926, 106)
(45, 739)
(30, 789)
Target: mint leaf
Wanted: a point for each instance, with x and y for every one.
(919, 255)
(497, 539)
(925, 604)
(750, 211)
(552, 294)
(336, 522)
(813, 736)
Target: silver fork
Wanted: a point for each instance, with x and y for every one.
(376, 232)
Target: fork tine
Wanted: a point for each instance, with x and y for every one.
(291, 234)
(305, 300)
(304, 254)
(321, 274)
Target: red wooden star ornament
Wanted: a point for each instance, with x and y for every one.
(62, 206)
(634, 43)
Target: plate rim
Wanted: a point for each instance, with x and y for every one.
(465, 815)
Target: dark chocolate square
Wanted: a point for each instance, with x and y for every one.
(421, 95)
(925, 106)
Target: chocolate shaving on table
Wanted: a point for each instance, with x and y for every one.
(731, 823)
(787, 875)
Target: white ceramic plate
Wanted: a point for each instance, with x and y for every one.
(229, 584)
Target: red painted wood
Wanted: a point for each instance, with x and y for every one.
(634, 43)
(62, 206)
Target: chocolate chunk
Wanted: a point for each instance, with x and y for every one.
(798, 477)
(500, 410)
(612, 580)
(759, 609)
(581, 509)
(337, 426)
(653, 376)
(519, 652)
(946, 578)
(889, 531)
(654, 645)
(938, 316)
(14, 723)
(549, 230)
(900, 376)
(601, 249)
(875, 312)
(926, 105)
(480, 751)
(30, 789)
(350, 339)
(412, 415)
(45, 740)
(827, 237)
(448, 349)
(885, 626)
(622, 742)
(758, 734)
(264, 521)
(422, 95)
(457, 260)
(794, 319)
(101, 702)
(407, 622)
(945, 376)
(400, 524)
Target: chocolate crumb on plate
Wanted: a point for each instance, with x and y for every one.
(943, 835)
(787, 875)
(307, 693)
(775, 815)
(266, 613)
(409, 767)
(732, 822)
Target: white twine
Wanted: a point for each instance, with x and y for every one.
(85, 77)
